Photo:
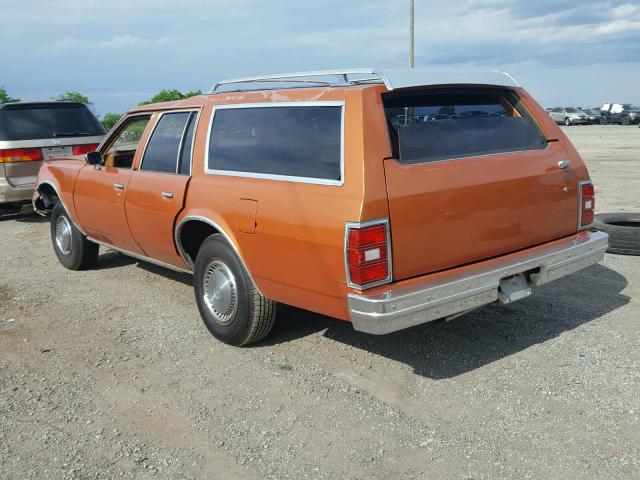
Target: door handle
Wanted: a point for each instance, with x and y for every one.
(119, 186)
(564, 164)
(167, 194)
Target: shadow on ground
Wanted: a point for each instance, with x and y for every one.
(442, 350)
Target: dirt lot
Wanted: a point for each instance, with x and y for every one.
(109, 373)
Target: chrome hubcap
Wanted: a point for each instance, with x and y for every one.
(220, 292)
(63, 235)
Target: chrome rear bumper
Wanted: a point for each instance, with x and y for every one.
(441, 295)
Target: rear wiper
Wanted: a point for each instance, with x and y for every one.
(71, 134)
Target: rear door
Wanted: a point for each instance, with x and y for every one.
(157, 188)
(473, 177)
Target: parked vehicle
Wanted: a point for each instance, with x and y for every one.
(620, 113)
(33, 132)
(337, 197)
(593, 115)
(569, 116)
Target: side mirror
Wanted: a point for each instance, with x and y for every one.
(94, 158)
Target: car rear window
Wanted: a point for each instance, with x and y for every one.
(443, 124)
(30, 122)
(301, 142)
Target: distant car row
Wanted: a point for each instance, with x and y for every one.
(618, 113)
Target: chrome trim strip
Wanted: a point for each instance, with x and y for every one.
(185, 257)
(51, 142)
(33, 203)
(580, 184)
(370, 223)
(267, 176)
(140, 257)
(458, 290)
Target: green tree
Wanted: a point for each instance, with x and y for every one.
(5, 98)
(109, 120)
(73, 96)
(169, 95)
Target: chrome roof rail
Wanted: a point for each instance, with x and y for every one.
(341, 78)
(391, 78)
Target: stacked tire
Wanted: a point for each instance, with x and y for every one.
(623, 230)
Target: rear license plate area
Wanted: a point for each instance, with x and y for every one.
(56, 152)
(513, 288)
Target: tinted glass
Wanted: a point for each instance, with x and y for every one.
(294, 141)
(161, 154)
(571, 110)
(442, 124)
(185, 155)
(28, 122)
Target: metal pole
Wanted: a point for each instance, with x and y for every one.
(411, 35)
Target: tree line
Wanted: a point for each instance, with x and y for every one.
(109, 119)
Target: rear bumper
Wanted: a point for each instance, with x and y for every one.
(428, 298)
(11, 194)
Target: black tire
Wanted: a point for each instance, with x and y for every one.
(81, 253)
(625, 121)
(219, 277)
(567, 122)
(603, 120)
(623, 230)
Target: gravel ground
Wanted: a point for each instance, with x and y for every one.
(109, 373)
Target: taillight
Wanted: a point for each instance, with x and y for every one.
(368, 253)
(587, 203)
(20, 155)
(82, 149)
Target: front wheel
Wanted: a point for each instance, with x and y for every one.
(626, 121)
(603, 120)
(72, 248)
(567, 122)
(230, 305)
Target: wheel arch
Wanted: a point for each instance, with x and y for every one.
(192, 230)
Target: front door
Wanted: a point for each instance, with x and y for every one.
(157, 188)
(100, 190)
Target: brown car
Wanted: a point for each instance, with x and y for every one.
(387, 199)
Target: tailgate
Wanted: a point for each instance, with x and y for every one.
(473, 178)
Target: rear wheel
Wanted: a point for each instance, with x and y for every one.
(230, 305)
(72, 248)
(603, 120)
(626, 121)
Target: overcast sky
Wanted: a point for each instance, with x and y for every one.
(119, 52)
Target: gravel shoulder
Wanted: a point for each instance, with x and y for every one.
(110, 373)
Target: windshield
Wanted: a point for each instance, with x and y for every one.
(628, 106)
(29, 122)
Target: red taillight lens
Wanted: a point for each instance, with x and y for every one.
(82, 149)
(367, 255)
(20, 155)
(588, 204)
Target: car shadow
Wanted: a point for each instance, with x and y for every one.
(441, 349)
(113, 259)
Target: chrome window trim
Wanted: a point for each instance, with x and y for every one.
(160, 115)
(581, 183)
(185, 257)
(369, 223)
(140, 257)
(33, 202)
(268, 176)
(51, 142)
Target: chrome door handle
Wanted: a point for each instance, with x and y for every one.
(119, 186)
(167, 194)
(564, 164)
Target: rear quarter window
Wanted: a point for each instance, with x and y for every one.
(446, 124)
(287, 141)
(30, 122)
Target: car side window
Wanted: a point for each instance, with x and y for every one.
(165, 148)
(123, 145)
(184, 167)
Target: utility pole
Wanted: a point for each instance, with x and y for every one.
(411, 35)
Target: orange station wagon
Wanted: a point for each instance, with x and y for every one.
(384, 198)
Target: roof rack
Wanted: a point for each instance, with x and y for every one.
(341, 78)
(392, 79)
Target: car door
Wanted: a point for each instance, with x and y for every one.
(157, 187)
(555, 114)
(100, 190)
